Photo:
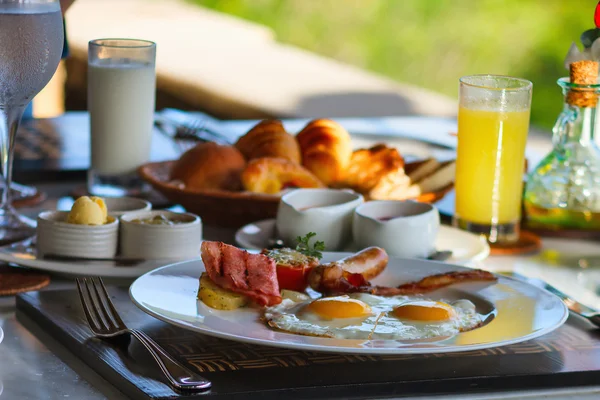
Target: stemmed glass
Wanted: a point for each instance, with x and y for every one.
(31, 42)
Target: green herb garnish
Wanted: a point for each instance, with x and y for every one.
(305, 248)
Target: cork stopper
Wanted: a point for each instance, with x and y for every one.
(583, 72)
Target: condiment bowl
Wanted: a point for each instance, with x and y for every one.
(149, 241)
(403, 228)
(326, 212)
(55, 236)
(118, 206)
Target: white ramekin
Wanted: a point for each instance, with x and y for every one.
(57, 237)
(179, 241)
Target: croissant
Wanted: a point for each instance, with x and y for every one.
(271, 175)
(370, 166)
(326, 150)
(269, 138)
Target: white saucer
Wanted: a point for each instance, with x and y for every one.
(466, 247)
(25, 254)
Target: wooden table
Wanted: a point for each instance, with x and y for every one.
(36, 366)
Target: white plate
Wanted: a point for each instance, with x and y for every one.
(25, 255)
(466, 247)
(522, 312)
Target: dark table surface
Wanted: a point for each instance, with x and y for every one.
(34, 369)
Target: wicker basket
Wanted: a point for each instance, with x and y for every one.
(226, 208)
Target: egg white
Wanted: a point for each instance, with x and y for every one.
(293, 317)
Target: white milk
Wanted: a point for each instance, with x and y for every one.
(121, 98)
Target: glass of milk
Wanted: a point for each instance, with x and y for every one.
(121, 97)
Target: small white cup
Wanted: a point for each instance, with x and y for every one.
(179, 241)
(326, 212)
(57, 237)
(403, 228)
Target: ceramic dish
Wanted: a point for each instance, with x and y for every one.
(232, 209)
(56, 236)
(327, 212)
(118, 206)
(149, 241)
(25, 254)
(404, 228)
(516, 311)
(466, 247)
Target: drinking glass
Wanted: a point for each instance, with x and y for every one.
(31, 42)
(121, 97)
(493, 121)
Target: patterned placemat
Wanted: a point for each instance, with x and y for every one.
(568, 356)
(209, 354)
(38, 139)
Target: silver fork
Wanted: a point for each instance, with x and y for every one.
(105, 322)
(194, 130)
(197, 130)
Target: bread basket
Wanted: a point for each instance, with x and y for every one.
(232, 209)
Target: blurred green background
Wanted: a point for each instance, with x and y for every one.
(431, 43)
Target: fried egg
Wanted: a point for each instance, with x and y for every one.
(364, 316)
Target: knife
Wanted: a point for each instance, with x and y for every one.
(574, 306)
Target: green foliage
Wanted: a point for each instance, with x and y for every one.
(431, 43)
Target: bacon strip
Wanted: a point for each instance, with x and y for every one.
(434, 282)
(253, 275)
(333, 278)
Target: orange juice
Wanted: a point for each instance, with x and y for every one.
(490, 165)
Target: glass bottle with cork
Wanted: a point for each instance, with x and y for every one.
(563, 191)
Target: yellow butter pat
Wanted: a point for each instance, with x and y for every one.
(88, 211)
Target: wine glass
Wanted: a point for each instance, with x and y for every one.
(31, 42)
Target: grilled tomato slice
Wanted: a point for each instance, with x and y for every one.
(293, 268)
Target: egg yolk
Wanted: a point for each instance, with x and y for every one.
(339, 307)
(425, 311)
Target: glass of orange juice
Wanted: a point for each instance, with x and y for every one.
(493, 121)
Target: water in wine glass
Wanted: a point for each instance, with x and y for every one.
(31, 40)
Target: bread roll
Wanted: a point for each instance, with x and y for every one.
(210, 166)
(369, 166)
(269, 139)
(326, 150)
(272, 175)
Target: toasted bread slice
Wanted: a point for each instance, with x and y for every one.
(428, 167)
(438, 180)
